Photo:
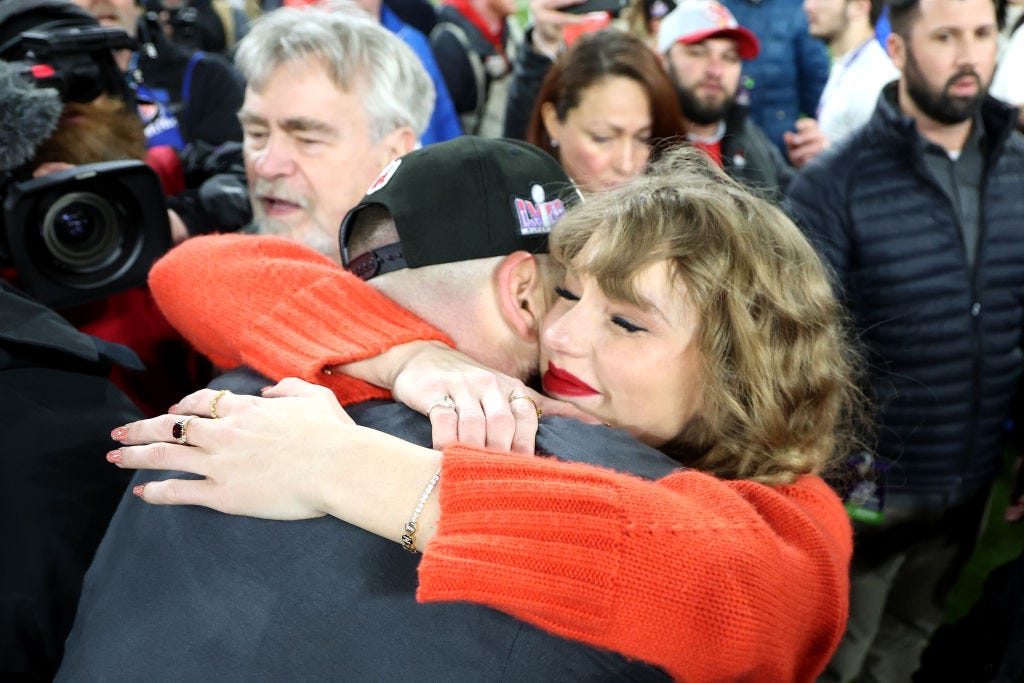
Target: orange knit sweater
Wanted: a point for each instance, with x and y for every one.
(710, 579)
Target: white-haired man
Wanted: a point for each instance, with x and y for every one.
(331, 99)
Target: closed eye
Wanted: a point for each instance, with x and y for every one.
(564, 293)
(626, 325)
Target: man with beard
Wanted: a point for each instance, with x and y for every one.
(702, 46)
(919, 214)
(860, 69)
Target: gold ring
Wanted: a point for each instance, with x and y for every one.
(528, 398)
(179, 432)
(445, 401)
(213, 403)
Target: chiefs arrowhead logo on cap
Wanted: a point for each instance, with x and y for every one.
(719, 15)
(384, 176)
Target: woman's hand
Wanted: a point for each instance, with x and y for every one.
(485, 407)
(261, 457)
(294, 455)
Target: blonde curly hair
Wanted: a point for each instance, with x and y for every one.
(780, 397)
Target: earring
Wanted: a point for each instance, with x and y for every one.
(554, 143)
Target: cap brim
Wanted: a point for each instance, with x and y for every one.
(747, 43)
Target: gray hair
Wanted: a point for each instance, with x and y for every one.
(359, 54)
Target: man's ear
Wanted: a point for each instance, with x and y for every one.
(521, 294)
(398, 142)
(897, 50)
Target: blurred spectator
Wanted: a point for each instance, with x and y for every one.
(475, 42)
(703, 49)
(786, 79)
(860, 68)
(643, 17)
(420, 14)
(184, 96)
(918, 215)
(1009, 15)
(601, 109)
(1008, 83)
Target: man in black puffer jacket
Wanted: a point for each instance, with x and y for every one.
(920, 215)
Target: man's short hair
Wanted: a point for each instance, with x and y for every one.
(875, 11)
(359, 54)
(902, 14)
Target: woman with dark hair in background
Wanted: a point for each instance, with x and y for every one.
(603, 107)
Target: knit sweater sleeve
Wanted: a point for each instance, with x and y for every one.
(279, 308)
(709, 579)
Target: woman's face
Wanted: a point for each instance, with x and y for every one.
(605, 140)
(632, 367)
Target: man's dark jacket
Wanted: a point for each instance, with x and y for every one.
(190, 594)
(57, 407)
(749, 157)
(942, 339)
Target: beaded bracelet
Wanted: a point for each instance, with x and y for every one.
(409, 537)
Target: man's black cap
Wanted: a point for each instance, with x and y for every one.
(467, 198)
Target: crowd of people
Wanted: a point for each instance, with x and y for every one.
(678, 339)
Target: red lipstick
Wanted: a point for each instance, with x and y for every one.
(558, 382)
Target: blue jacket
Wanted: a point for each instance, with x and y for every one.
(942, 339)
(790, 73)
(444, 122)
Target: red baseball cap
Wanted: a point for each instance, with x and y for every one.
(695, 21)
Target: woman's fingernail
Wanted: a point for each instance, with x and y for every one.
(173, 410)
(114, 456)
(119, 434)
(266, 388)
(137, 490)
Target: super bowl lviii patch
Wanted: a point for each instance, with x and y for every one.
(535, 216)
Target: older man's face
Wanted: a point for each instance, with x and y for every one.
(308, 154)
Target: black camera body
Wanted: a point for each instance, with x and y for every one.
(76, 61)
(85, 232)
(92, 230)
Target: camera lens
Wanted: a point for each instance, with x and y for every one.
(81, 232)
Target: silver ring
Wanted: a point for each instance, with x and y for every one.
(179, 432)
(445, 401)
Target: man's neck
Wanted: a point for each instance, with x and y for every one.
(950, 137)
(850, 39)
(707, 131)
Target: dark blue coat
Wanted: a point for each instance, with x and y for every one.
(792, 69)
(943, 339)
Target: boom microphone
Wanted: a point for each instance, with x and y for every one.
(28, 116)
